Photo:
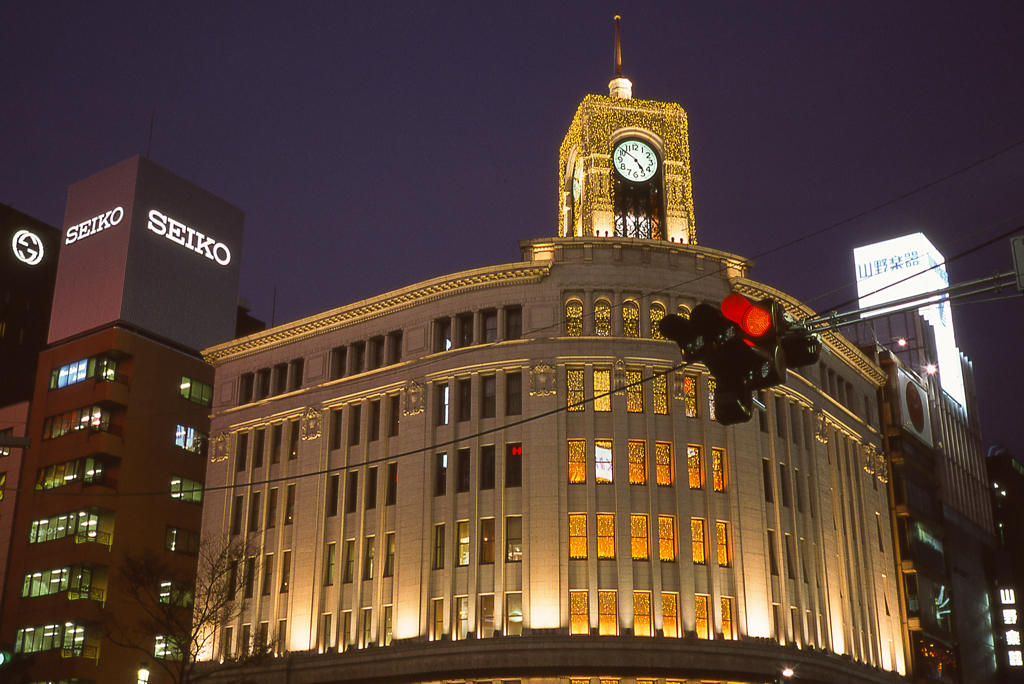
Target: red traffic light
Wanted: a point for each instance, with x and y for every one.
(753, 320)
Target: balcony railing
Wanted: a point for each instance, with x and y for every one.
(96, 537)
(90, 652)
(93, 593)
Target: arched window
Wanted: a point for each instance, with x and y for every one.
(636, 190)
(657, 313)
(603, 318)
(683, 311)
(573, 318)
(630, 319)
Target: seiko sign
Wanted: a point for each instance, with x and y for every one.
(94, 225)
(189, 237)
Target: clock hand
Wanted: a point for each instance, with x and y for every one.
(641, 166)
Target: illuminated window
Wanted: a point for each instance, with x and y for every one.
(573, 319)
(579, 612)
(683, 311)
(718, 469)
(667, 538)
(462, 548)
(103, 368)
(461, 617)
(663, 463)
(605, 535)
(690, 395)
(657, 313)
(634, 392)
(703, 623)
(574, 389)
(722, 534)
(637, 462)
(91, 418)
(577, 461)
(642, 613)
(437, 619)
(195, 391)
(602, 388)
(711, 397)
(697, 541)
(639, 536)
(728, 629)
(603, 461)
(659, 388)
(578, 536)
(602, 319)
(607, 613)
(695, 467)
(630, 319)
(670, 614)
(514, 614)
(184, 489)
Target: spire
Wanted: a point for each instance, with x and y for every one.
(619, 87)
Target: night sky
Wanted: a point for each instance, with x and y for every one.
(374, 145)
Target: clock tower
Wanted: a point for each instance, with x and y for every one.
(624, 168)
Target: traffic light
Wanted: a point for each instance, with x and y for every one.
(14, 667)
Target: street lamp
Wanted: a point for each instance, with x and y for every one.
(143, 673)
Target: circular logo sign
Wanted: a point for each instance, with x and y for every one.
(27, 247)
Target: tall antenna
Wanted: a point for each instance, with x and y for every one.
(618, 50)
(619, 87)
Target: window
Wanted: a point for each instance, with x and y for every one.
(634, 392)
(605, 535)
(703, 621)
(602, 318)
(766, 477)
(438, 561)
(371, 488)
(442, 334)
(487, 467)
(87, 470)
(574, 390)
(490, 321)
(578, 536)
(289, 505)
(394, 414)
(513, 465)
(389, 554)
(486, 616)
(602, 390)
(773, 560)
(391, 494)
(368, 558)
(690, 395)
(514, 539)
(642, 625)
(657, 313)
(607, 613)
(664, 469)
(358, 357)
(386, 628)
(329, 563)
(695, 467)
(437, 619)
(275, 443)
(465, 389)
(241, 448)
(280, 378)
(181, 541)
(670, 614)
(376, 353)
(355, 417)
(462, 550)
(465, 322)
(488, 396)
(487, 541)
(799, 496)
(349, 575)
(103, 368)
(254, 512)
(257, 448)
(443, 399)
(81, 524)
(461, 617)
(577, 461)
(711, 397)
(513, 322)
(784, 484)
(603, 461)
(637, 452)
(728, 629)
(579, 612)
(367, 635)
(513, 394)
(236, 514)
(327, 632)
(351, 492)
(286, 570)
(667, 538)
(332, 495)
(338, 359)
(246, 387)
(374, 426)
(268, 574)
(167, 647)
(196, 392)
(659, 388)
(573, 318)
(639, 536)
(185, 489)
(462, 470)
(513, 614)
(722, 535)
(440, 474)
(293, 439)
(263, 383)
(630, 319)
(77, 579)
(697, 541)
(718, 469)
(790, 557)
(192, 440)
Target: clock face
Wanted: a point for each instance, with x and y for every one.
(577, 181)
(635, 161)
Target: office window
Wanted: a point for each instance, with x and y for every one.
(103, 368)
(773, 560)
(637, 462)
(462, 549)
(289, 505)
(722, 535)
(465, 331)
(327, 632)
(257, 448)
(286, 570)
(667, 538)
(182, 489)
(697, 541)
(766, 478)
(486, 541)
(462, 470)
(578, 536)
(670, 615)
(371, 488)
(718, 469)
(241, 449)
(513, 322)
(355, 418)
(246, 388)
(87, 469)
(602, 318)
(642, 624)
(639, 536)
(440, 474)
(351, 491)
(664, 469)
(797, 491)
(181, 541)
(690, 395)
(513, 394)
(573, 318)
(513, 465)
(574, 390)
(712, 384)
(577, 461)
(185, 437)
(377, 349)
(607, 613)
(603, 461)
(605, 535)
(268, 575)
(394, 414)
(784, 484)
(438, 561)
(513, 614)
(659, 389)
(329, 563)
(579, 612)
(514, 539)
(465, 396)
(487, 467)
(332, 495)
(389, 554)
(386, 626)
(443, 401)
(790, 557)
(486, 619)
(275, 443)
(728, 628)
(442, 334)
(391, 494)
(236, 514)
(339, 357)
(657, 312)
(695, 467)
(461, 617)
(490, 322)
(358, 357)
(437, 619)
(293, 439)
(349, 575)
(254, 512)
(280, 378)
(602, 390)
(488, 396)
(374, 425)
(703, 620)
(368, 559)
(195, 391)
(630, 319)
(634, 392)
